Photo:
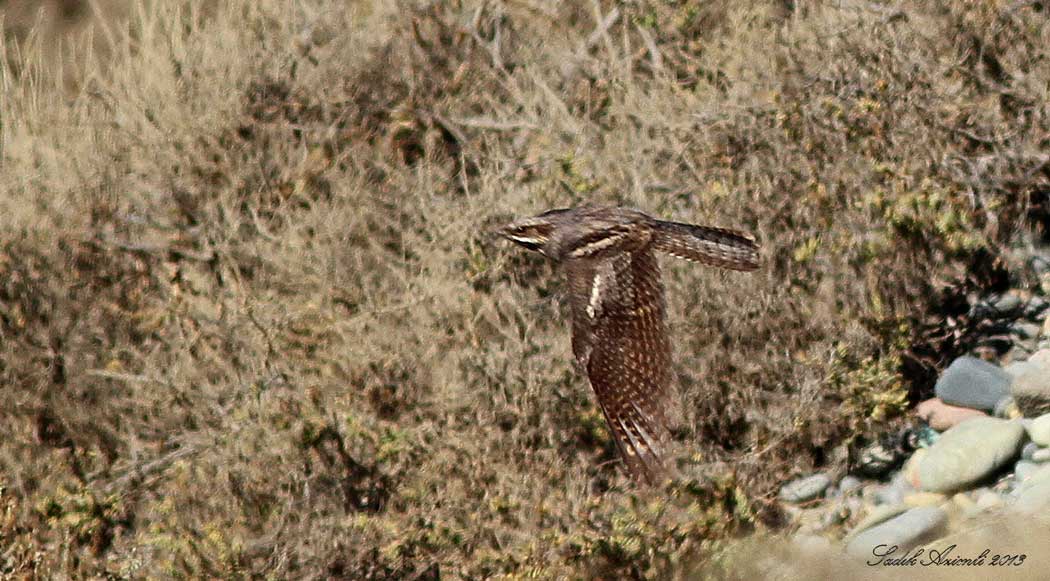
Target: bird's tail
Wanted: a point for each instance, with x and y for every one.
(708, 245)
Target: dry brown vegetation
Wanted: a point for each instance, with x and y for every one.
(252, 323)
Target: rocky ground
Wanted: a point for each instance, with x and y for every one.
(979, 451)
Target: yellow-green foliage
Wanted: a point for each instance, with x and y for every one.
(253, 322)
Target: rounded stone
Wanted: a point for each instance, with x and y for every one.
(968, 453)
(1035, 308)
(988, 500)
(1039, 430)
(1041, 455)
(1008, 303)
(877, 514)
(1024, 469)
(1033, 495)
(924, 499)
(1029, 450)
(942, 416)
(805, 489)
(1031, 388)
(964, 503)
(1026, 330)
(907, 530)
(848, 484)
(1039, 264)
(895, 491)
(1019, 368)
(973, 383)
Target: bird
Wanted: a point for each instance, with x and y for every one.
(620, 338)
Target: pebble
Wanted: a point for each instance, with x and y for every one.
(906, 530)
(1036, 308)
(1026, 330)
(1033, 496)
(1005, 304)
(968, 453)
(1007, 409)
(836, 515)
(1021, 351)
(1039, 430)
(1034, 500)
(942, 416)
(988, 500)
(1041, 455)
(1039, 265)
(1024, 469)
(1029, 450)
(848, 484)
(1019, 368)
(964, 503)
(924, 499)
(876, 461)
(876, 515)
(973, 383)
(895, 491)
(1031, 388)
(804, 489)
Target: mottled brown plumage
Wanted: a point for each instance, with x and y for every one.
(619, 328)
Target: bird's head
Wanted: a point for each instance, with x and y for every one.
(533, 233)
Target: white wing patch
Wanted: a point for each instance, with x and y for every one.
(596, 296)
(593, 247)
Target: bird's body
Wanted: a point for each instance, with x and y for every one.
(619, 328)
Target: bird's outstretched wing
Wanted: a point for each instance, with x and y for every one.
(705, 244)
(620, 339)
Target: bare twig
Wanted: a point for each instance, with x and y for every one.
(144, 469)
(493, 124)
(602, 31)
(650, 45)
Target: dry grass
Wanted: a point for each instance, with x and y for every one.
(251, 323)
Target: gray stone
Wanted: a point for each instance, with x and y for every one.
(968, 453)
(848, 484)
(1029, 450)
(805, 489)
(1039, 264)
(1039, 430)
(1007, 408)
(1031, 388)
(1025, 330)
(1005, 304)
(973, 383)
(1033, 495)
(1023, 469)
(1035, 310)
(1041, 455)
(836, 515)
(998, 306)
(877, 515)
(906, 530)
(1034, 499)
(895, 491)
(988, 499)
(1021, 350)
(1019, 368)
